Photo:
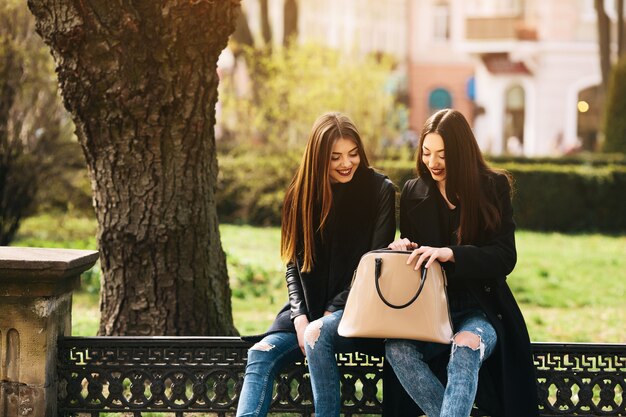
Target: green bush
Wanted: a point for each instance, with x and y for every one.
(582, 158)
(570, 198)
(548, 197)
(615, 122)
(251, 188)
(556, 197)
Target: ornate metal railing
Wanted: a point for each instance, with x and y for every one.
(180, 375)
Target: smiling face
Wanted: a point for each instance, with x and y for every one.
(344, 160)
(433, 156)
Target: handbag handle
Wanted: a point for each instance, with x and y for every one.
(378, 268)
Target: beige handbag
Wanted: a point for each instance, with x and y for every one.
(389, 299)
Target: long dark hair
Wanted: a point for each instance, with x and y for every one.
(469, 179)
(310, 187)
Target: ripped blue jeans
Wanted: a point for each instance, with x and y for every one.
(266, 358)
(409, 361)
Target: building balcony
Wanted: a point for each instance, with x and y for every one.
(501, 28)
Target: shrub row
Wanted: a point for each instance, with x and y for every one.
(548, 197)
(582, 158)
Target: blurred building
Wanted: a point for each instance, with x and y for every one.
(536, 60)
(524, 72)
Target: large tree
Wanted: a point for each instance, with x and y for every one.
(139, 78)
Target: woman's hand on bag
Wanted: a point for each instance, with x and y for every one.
(429, 254)
(402, 244)
(300, 324)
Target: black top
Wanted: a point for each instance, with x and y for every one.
(459, 296)
(449, 220)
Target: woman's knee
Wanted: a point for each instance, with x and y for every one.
(468, 340)
(318, 332)
(269, 352)
(261, 352)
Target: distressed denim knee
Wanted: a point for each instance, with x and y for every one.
(322, 331)
(265, 359)
(466, 339)
(320, 342)
(474, 342)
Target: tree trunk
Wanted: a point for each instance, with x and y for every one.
(604, 43)
(266, 28)
(140, 81)
(621, 36)
(290, 21)
(242, 35)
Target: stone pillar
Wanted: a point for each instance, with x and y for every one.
(35, 309)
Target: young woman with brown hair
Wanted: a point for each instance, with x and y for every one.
(336, 209)
(458, 211)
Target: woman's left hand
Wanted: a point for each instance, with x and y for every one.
(428, 254)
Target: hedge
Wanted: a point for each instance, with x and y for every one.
(547, 197)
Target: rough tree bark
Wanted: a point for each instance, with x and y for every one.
(139, 78)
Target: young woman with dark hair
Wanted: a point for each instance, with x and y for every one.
(336, 209)
(458, 211)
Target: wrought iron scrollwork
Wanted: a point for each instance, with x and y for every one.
(134, 375)
(581, 379)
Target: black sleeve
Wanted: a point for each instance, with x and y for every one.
(383, 233)
(296, 293)
(495, 259)
(385, 226)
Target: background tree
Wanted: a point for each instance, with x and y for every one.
(279, 109)
(243, 35)
(621, 29)
(604, 43)
(140, 81)
(608, 58)
(290, 21)
(36, 144)
(615, 120)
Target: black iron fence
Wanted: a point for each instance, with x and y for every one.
(175, 376)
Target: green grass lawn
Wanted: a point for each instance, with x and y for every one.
(570, 287)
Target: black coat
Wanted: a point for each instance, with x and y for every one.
(507, 384)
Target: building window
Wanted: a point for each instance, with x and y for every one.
(439, 99)
(441, 22)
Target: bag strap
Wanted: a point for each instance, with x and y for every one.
(377, 273)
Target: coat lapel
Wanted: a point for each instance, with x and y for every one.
(423, 214)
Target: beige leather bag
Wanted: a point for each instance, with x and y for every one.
(389, 299)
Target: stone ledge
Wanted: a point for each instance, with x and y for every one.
(37, 272)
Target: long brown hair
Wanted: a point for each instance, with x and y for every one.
(466, 173)
(310, 188)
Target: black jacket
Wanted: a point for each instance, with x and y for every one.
(507, 384)
(362, 218)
